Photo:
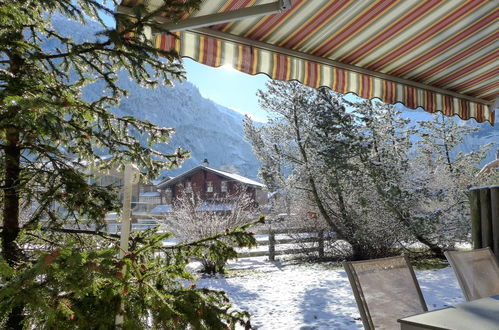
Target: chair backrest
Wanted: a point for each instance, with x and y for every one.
(477, 272)
(385, 290)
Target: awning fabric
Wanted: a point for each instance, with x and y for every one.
(441, 55)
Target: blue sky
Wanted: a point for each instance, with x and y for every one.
(231, 88)
(228, 87)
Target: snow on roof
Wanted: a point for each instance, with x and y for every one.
(214, 207)
(111, 216)
(161, 209)
(150, 194)
(97, 160)
(156, 182)
(232, 176)
(236, 177)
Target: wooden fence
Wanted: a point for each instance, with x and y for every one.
(271, 243)
(484, 203)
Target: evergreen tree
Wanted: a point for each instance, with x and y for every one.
(388, 167)
(353, 143)
(312, 142)
(445, 176)
(49, 133)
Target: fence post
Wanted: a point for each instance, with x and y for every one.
(321, 244)
(494, 201)
(486, 217)
(271, 245)
(476, 226)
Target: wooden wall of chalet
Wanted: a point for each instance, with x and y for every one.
(199, 182)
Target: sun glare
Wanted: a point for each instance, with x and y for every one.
(228, 67)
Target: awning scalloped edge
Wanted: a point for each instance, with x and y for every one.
(253, 60)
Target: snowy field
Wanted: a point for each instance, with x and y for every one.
(312, 296)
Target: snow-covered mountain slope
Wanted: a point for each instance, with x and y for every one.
(201, 126)
(487, 133)
(207, 129)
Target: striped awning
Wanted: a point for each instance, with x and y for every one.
(441, 55)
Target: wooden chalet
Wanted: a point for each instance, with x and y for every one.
(210, 184)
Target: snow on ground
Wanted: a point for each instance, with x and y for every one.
(283, 295)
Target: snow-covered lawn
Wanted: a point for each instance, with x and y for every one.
(312, 296)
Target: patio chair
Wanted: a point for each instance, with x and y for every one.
(477, 272)
(385, 290)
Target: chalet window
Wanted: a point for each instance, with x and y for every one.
(209, 186)
(223, 187)
(188, 187)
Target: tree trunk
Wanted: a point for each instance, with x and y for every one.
(357, 252)
(434, 248)
(11, 198)
(10, 250)
(362, 252)
(404, 219)
(11, 193)
(313, 186)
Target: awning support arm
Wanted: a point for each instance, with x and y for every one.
(218, 18)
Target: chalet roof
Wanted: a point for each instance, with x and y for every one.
(150, 194)
(156, 182)
(230, 176)
(161, 209)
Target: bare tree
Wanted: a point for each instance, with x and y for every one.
(193, 218)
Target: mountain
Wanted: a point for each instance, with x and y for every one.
(486, 134)
(207, 129)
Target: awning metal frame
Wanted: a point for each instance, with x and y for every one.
(218, 18)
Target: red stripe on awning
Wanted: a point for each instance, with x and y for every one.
(393, 30)
(467, 69)
(430, 101)
(365, 86)
(428, 33)
(281, 66)
(269, 23)
(356, 25)
(482, 91)
(300, 35)
(210, 51)
(233, 5)
(389, 92)
(409, 98)
(341, 77)
(312, 74)
(421, 60)
(447, 110)
(477, 80)
(465, 109)
(167, 42)
(247, 60)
